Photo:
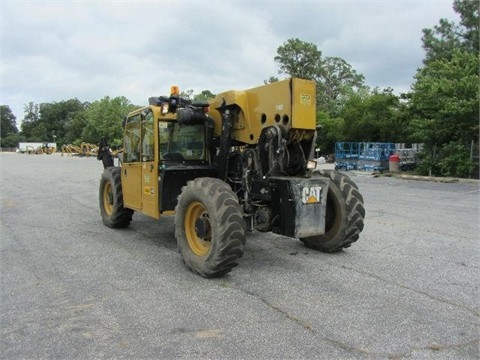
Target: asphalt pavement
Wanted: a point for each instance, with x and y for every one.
(73, 289)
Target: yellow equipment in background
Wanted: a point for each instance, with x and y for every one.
(85, 149)
(43, 149)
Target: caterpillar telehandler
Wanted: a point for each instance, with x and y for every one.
(240, 162)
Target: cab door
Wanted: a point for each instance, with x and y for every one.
(132, 164)
(149, 184)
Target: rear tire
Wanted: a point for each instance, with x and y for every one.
(209, 227)
(344, 215)
(113, 213)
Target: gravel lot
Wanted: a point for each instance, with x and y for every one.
(74, 289)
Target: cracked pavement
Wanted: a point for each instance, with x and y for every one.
(74, 289)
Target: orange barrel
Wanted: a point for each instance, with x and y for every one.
(393, 162)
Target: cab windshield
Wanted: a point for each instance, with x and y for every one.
(181, 142)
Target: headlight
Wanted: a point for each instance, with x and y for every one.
(164, 108)
(311, 164)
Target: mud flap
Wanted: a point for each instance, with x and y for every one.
(299, 205)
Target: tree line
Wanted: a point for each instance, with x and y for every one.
(441, 111)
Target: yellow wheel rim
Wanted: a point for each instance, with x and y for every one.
(195, 212)
(108, 198)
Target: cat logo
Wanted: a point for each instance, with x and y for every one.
(311, 195)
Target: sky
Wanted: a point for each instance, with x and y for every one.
(58, 50)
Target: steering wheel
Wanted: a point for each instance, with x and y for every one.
(173, 156)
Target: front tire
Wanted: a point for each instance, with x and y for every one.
(209, 227)
(114, 215)
(344, 216)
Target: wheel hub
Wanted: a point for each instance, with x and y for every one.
(203, 228)
(108, 198)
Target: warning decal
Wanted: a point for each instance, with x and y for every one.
(305, 99)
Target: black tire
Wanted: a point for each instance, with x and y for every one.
(209, 227)
(344, 215)
(113, 213)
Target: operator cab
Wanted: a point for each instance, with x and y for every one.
(165, 146)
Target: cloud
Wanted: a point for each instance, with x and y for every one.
(54, 51)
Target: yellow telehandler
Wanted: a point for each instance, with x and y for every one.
(242, 161)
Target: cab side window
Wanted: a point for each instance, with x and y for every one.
(132, 139)
(148, 146)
